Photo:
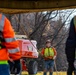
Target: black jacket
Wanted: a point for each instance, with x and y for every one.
(71, 42)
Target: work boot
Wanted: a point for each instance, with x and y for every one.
(44, 73)
(74, 72)
(15, 74)
(50, 73)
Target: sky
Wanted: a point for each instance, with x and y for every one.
(64, 14)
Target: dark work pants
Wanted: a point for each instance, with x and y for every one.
(70, 68)
(15, 67)
(70, 58)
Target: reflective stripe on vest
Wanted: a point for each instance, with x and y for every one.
(2, 23)
(48, 52)
(4, 62)
(13, 50)
(10, 39)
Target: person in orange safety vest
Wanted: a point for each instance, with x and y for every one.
(49, 54)
(9, 46)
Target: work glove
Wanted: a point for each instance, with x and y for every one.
(54, 57)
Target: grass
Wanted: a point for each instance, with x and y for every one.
(41, 73)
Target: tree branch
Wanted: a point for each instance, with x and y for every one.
(61, 27)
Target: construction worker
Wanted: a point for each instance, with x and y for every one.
(49, 54)
(71, 46)
(8, 45)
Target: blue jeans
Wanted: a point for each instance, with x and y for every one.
(48, 64)
(4, 69)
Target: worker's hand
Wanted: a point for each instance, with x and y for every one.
(11, 60)
(54, 57)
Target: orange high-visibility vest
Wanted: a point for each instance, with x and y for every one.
(8, 44)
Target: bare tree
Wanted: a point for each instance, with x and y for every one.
(43, 25)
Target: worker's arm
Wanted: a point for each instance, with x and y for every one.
(42, 52)
(55, 53)
(9, 35)
(11, 60)
(10, 41)
(71, 41)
